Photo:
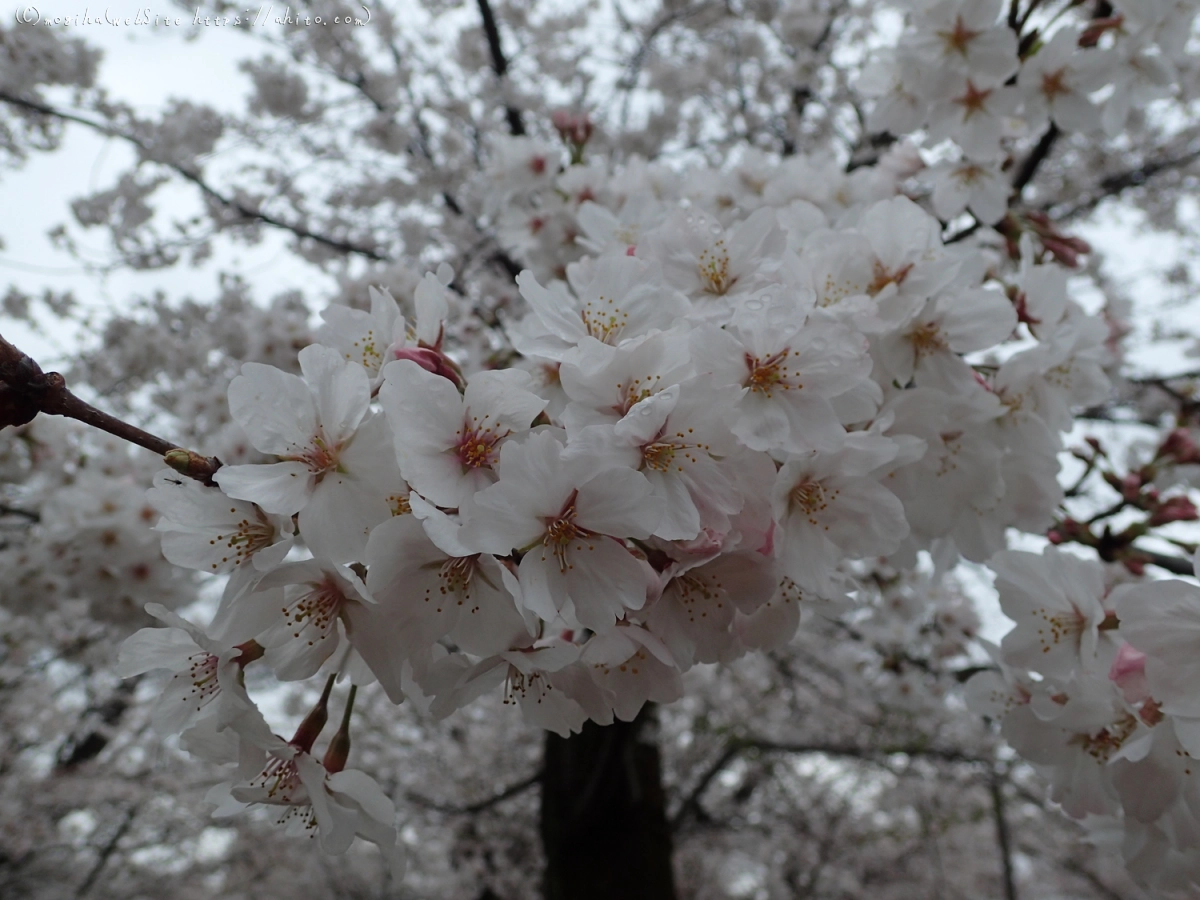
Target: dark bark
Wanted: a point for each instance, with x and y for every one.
(603, 822)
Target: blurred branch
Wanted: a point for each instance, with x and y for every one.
(875, 755)
(1034, 160)
(1122, 181)
(1174, 564)
(244, 211)
(106, 853)
(499, 64)
(1002, 837)
(480, 805)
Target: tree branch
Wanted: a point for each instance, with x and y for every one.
(106, 853)
(499, 63)
(1034, 160)
(1002, 837)
(1173, 564)
(25, 391)
(478, 806)
(248, 213)
(875, 755)
(1122, 181)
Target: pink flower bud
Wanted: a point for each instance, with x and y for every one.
(431, 361)
(1175, 509)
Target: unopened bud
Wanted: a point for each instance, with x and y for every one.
(310, 729)
(432, 361)
(575, 128)
(1174, 509)
(339, 748)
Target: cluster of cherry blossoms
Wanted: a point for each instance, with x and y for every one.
(982, 74)
(712, 417)
(1096, 686)
(721, 396)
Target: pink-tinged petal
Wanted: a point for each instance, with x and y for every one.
(539, 593)
(274, 408)
(373, 633)
(340, 515)
(554, 307)
(281, 488)
(775, 622)
(679, 518)
(619, 502)
(505, 396)
(602, 579)
(155, 648)
(366, 792)
(342, 389)
(242, 617)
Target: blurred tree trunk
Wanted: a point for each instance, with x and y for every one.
(603, 822)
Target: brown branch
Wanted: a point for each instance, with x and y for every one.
(499, 63)
(479, 805)
(246, 212)
(1034, 160)
(25, 391)
(1173, 564)
(1003, 837)
(875, 755)
(1119, 182)
(106, 853)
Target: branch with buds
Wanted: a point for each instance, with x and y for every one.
(25, 391)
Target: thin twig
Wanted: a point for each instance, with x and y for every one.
(1003, 837)
(874, 755)
(106, 853)
(1034, 160)
(478, 806)
(244, 211)
(499, 64)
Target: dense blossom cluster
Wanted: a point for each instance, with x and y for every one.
(714, 414)
(723, 395)
(1097, 688)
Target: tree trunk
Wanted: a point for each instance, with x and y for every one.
(604, 823)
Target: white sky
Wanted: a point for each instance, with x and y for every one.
(142, 66)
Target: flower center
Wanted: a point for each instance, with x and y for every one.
(476, 448)
(369, 354)
(246, 540)
(1054, 84)
(202, 672)
(927, 339)
(280, 781)
(520, 687)
(958, 40)
(318, 456)
(1101, 745)
(603, 319)
(767, 374)
(973, 100)
(714, 269)
(560, 532)
(313, 614)
(455, 574)
(658, 456)
(883, 277)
